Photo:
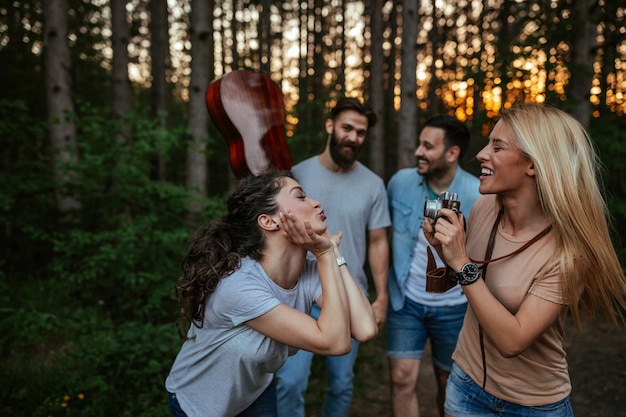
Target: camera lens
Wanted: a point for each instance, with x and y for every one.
(431, 208)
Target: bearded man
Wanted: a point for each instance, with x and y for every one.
(355, 202)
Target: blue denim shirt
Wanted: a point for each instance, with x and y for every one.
(407, 191)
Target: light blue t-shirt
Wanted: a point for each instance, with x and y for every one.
(354, 202)
(226, 365)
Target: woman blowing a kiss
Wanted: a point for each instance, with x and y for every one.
(247, 288)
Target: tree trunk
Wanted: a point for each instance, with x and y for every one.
(377, 94)
(303, 39)
(504, 41)
(407, 123)
(341, 49)
(201, 48)
(235, 28)
(265, 36)
(59, 98)
(392, 87)
(319, 64)
(610, 56)
(583, 47)
(121, 81)
(436, 39)
(159, 50)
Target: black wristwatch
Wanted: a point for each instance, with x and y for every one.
(469, 274)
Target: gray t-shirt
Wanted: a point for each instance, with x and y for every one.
(354, 202)
(226, 365)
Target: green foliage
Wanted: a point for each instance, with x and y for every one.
(101, 370)
(26, 186)
(132, 229)
(88, 308)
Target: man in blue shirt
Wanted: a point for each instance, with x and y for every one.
(415, 315)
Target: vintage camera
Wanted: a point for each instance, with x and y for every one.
(446, 200)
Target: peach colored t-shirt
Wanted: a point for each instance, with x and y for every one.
(539, 375)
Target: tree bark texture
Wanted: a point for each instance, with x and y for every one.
(201, 48)
(121, 82)
(377, 94)
(59, 96)
(159, 51)
(583, 47)
(407, 120)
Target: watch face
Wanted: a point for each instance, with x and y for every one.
(469, 273)
(470, 270)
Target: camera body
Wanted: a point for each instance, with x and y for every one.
(446, 200)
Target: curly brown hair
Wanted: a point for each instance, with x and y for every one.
(219, 245)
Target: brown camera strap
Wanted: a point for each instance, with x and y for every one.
(486, 262)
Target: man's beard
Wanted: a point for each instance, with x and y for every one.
(345, 160)
(437, 168)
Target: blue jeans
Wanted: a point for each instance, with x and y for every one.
(465, 398)
(293, 379)
(175, 410)
(409, 328)
(264, 406)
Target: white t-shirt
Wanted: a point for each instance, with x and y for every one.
(416, 281)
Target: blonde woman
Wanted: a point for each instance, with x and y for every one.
(537, 245)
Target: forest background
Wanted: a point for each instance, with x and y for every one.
(109, 159)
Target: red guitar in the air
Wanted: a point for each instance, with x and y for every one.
(248, 109)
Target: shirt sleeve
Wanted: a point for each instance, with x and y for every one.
(379, 216)
(548, 285)
(243, 297)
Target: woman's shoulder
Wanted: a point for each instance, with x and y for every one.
(484, 210)
(246, 293)
(248, 270)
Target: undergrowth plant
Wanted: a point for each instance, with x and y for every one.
(88, 307)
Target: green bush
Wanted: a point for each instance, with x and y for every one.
(87, 323)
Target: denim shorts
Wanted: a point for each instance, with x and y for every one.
(409, 328)
(465, 398)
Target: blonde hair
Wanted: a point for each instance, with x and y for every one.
(566, 169)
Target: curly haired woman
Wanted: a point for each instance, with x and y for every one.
(247, 288)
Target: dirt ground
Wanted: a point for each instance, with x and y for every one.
(596, 357)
